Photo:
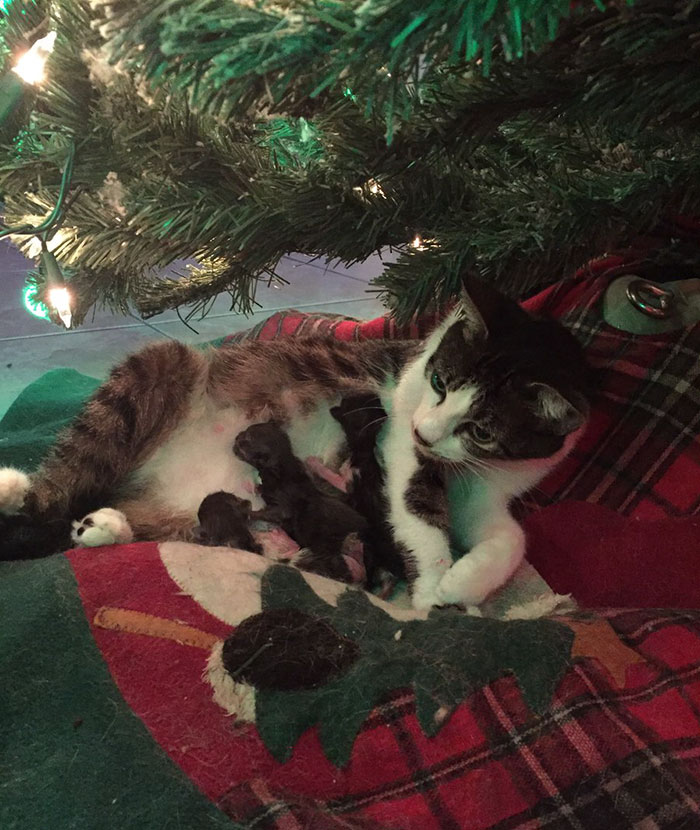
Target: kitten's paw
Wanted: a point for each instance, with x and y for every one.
(14, 485)
(103, 527)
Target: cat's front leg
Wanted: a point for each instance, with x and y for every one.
(420, 521)
(431, 556)
(492, 560)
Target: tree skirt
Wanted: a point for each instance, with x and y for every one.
(586, 720)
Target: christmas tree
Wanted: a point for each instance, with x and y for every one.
(517, 138)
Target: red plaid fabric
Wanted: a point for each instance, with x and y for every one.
(599, 759)
(640, 454)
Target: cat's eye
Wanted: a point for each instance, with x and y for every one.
(479, 433)
(438, 384)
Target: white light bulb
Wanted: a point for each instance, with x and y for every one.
(375, 187)
(417, 244)
(59, 298)
(30, 67)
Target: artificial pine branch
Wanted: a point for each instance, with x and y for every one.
(276, 55)
(201, 154)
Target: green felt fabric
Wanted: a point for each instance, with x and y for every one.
(31, 424)
(72, 753)
(443, 659)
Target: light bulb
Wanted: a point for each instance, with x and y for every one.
(30, 67)
(375, 187)
(59, 297)
(417, 244)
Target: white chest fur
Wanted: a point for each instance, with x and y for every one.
(198, 458)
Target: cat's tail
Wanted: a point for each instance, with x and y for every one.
(24, 538)
(143, 399)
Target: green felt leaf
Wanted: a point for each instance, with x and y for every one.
(444, 659)
(282, 718)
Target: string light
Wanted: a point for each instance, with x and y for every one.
(58, 294)
(60, 299)
(418, 244)
(28, 71)
(31, 67)
(34, 306)
(371, 186)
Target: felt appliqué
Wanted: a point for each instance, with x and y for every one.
(346, 659)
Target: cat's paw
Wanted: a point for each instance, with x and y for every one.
(462, 586)
(103, 527)
(14, 485)
(470, 580)
(424, 591)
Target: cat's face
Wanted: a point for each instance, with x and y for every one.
(499, 385)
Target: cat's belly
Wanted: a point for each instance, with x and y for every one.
(198, 457)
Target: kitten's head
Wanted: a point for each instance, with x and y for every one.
(361, 416)
(264, 446)
(222, 516)
(499, 384)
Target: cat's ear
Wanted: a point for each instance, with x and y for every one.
(483, 308)
(562, 416)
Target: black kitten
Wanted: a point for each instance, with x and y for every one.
(224, 520)
(324, 524)
(362, 417)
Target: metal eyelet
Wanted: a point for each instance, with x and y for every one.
(652, 299)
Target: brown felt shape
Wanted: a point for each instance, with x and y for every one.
(136, 622)
(285, 649)
(598, 639)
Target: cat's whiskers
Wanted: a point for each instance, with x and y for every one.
(365, 409)
(475, 464)
(371, 423)
(459, 468)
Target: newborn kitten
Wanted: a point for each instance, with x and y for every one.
(224, 520)
(324, 524)
(362, 417)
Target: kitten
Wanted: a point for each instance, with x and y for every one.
(362, 418)
(224, 520)
(492, 393)
(324, 524)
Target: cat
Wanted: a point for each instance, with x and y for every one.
(325, 526)
(501, 395)
(492, 392)
(224, 519)
(362, 418)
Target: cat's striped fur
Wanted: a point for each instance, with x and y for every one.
(102, 458)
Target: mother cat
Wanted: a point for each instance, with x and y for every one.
(492, 392)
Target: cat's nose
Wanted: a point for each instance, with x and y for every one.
(419, 439)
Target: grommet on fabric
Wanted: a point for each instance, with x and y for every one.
(652, 299)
